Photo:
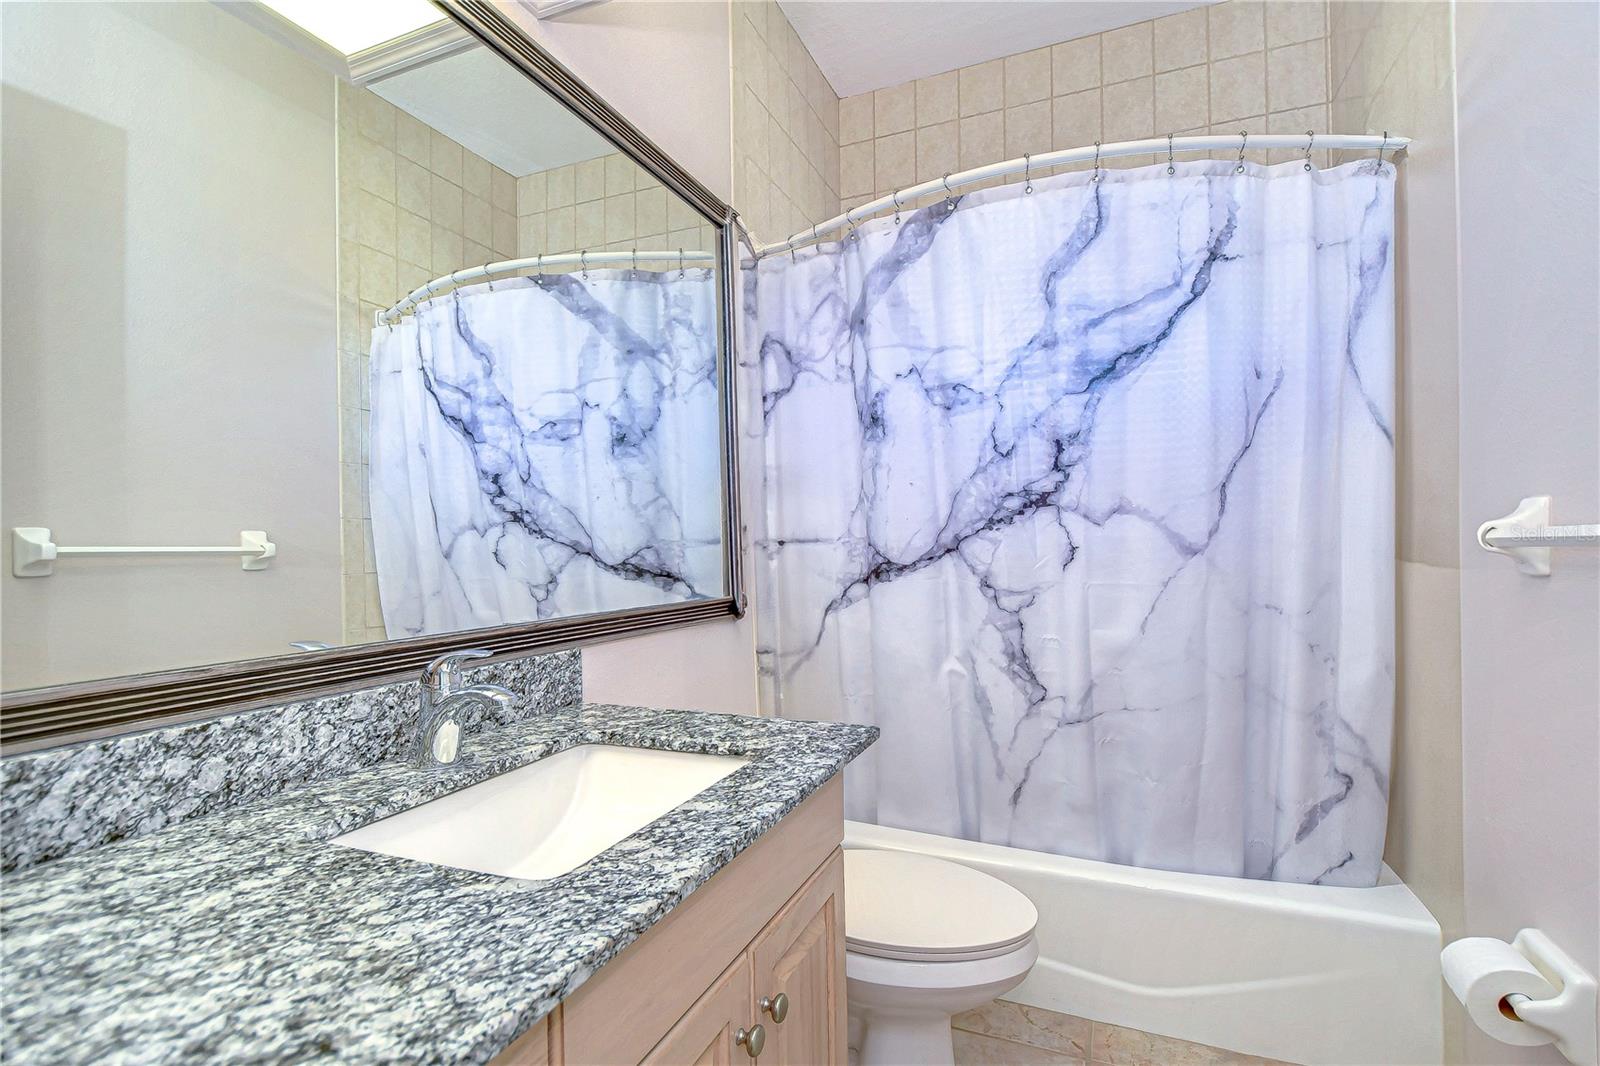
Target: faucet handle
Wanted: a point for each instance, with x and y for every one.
(442, 674)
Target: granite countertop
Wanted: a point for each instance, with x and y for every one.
(245, 937)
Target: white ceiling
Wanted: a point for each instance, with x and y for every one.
(478, 99)
(870, 44)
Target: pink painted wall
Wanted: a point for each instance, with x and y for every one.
(1530, 425)
(708, 667)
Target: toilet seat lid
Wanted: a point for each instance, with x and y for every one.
(907, 906)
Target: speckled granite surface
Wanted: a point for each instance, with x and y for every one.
(245, 937)
(59, 801)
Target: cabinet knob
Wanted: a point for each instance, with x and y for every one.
(777, 1006)
(752, 1040)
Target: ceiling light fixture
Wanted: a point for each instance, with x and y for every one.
(350, 26)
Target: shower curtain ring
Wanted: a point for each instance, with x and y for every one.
(855, 234)
(1095, 179)
(633, 275)
(680, 262)
(895, 196)
(583, 260)
(1171, 170)
(1383, 146)
(1027, 177)
(949, 197)
(455, 290)
(488, 277)
(539, 266)
(1244, 137)
(1311, 138)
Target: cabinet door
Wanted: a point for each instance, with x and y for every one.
(623, 1010)
(705, 1035)
(801, 955)
(539, 1046)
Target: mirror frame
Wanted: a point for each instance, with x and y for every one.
(60, 714)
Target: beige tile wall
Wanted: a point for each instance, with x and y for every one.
(1239, 65)
(785, 126)
(1004, 1033)
(1389, 64)
(607, 203)
(413, 205)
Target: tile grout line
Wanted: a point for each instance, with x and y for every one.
(1064, 1056)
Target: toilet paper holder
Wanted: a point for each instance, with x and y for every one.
(1568, 1017)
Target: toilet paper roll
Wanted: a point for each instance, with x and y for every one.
(1482, 971)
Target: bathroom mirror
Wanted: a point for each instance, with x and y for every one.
(330, 345)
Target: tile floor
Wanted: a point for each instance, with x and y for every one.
(1011, 1034)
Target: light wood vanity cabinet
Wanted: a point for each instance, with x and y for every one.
(713, 1031)
(800, 956)
(703, 986)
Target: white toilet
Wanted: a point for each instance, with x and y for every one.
(926, 939)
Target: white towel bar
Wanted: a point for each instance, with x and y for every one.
(1527, 536)
(33, 553)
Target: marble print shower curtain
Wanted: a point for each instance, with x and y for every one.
(546, 447)
(1086, 498)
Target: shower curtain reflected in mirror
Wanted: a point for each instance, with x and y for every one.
(1086, 498)
(547, 447)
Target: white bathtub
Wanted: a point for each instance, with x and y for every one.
(1296, 972)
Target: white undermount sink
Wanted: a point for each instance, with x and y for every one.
(549, 817)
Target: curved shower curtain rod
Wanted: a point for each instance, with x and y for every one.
(1307, 142)
(389, 316)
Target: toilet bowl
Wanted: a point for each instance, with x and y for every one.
(926, 939)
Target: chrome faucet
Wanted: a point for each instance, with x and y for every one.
(438, 738)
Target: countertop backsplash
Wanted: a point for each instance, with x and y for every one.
(59, 801)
